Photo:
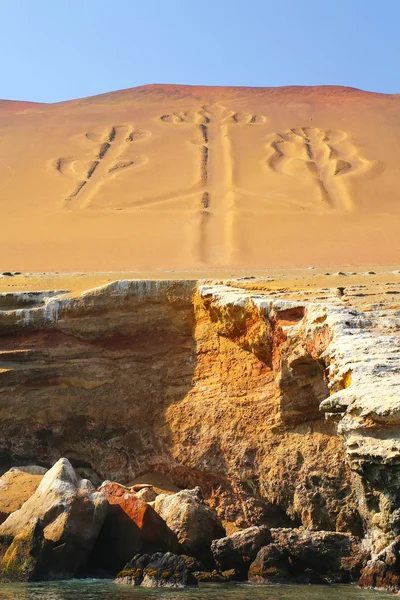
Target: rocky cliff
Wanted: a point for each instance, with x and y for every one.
(285, 412)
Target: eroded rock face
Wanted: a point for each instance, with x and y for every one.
(195, 524)
(131, 527)
(71, 513)
(216, 386)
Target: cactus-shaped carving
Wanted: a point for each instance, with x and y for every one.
(246, 119)
(318, 154)
(200, 119)
(110, 154)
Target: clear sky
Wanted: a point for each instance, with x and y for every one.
(56, 50)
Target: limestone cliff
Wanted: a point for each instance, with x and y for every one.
(216, 386)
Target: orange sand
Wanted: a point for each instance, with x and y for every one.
(198, 179)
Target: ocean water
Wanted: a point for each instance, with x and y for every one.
(107, 590)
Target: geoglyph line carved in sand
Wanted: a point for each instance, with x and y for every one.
(324, 156)
(215, 166)
(108, 160)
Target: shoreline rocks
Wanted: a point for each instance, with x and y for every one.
(67, 528)
(383, 572)
(338, 557)
(158, 570)
(238, 550)
(195, 524)
(71, 513)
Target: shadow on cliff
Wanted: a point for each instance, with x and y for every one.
(166, 385)
(95, 387)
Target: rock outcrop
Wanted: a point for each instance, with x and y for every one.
(131, 527)
(71, 513)
(284, 412)
(159, 570)
(195, 524)
(308, 557)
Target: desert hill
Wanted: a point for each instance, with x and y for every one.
(174, 177)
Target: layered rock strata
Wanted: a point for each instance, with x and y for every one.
(284, 412)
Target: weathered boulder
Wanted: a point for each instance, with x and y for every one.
(26, 557)
(384, 570)
(336, 556)
(158, 570)
(237, 551)
(271, 565)
(192, 520)
(131, 527)
(16, 486)
(274, 564)
(72, 513)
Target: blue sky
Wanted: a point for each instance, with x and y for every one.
(55, 50)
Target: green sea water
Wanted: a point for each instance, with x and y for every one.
(107, 590)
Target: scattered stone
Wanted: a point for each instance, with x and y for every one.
(7, 274)
(72, 513)
(131, 527)
(192, 520)
(158, 570)
(239, 550)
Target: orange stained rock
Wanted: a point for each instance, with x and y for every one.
(141, 513)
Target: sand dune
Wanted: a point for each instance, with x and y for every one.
(174, 177)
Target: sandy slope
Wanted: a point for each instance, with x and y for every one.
(174, 177)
